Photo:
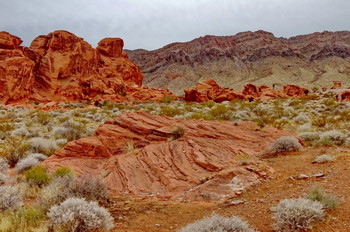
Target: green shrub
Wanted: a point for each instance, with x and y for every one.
(319, 195)
(63, 171)
(24, 217)
(37, 175)
(167, 99)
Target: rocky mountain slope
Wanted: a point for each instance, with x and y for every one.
(63, 67)
(312, 60)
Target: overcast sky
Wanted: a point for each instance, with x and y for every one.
(152, 24)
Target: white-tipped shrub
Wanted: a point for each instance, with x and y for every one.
(30, 161)
(301, 118)
(3, 164)
(297, 214)
(283, 144)
(64, 187)
(218, 223)
(309, 136)
(3, 178)
(22, 131)
(26, 163)
(334, 136)
(76, 214)
(42, 145)
(9, 197)
(325, 158)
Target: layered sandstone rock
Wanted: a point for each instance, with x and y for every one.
(210, 90)
(260, 58)
(148, 155)
(63, 67)
(16, 69)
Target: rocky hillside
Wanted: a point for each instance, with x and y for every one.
(312, 60)
(63, 67)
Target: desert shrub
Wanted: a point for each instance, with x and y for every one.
(3, 178)
(41, 145)
(325, 158)
(309, 136)
(177, 132)
(334, 136)
(319, 195)
(283, 144)
(218, 223)
(167, 99)
(301, 118)
(66, 186)
(9, 197)
(296, 214)
(37, 175)
(3, 164)
(13, 150)
(22, 131)
(26, 163)
(62, 172)
(76, 214)
(91, 188)
(24, 217)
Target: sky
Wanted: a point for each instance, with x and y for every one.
(151, 24)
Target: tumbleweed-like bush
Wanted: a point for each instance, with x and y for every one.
(218, 223)
(297, 214)
(77, 214)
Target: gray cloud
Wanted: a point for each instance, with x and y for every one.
(151, 24)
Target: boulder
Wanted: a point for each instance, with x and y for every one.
(147, 155)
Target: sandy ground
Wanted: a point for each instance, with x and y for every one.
(153, 215)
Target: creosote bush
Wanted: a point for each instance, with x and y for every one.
(218, 223)
(296, 214)
(77, 214)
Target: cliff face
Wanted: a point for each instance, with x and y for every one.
(312, 60)
(63, 67)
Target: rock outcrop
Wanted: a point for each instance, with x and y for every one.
(210, 90)
(16, 69)
(149, 155)
(260, 58)
(344, 95)
(63, 67)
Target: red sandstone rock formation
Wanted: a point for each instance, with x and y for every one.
(148, 155)
(210, 90)
(295, 91)
(344, 95)
(16, 69)
(63, 67)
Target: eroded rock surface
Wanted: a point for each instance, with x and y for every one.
(148, 155)
(63, 67)
(210, 90)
